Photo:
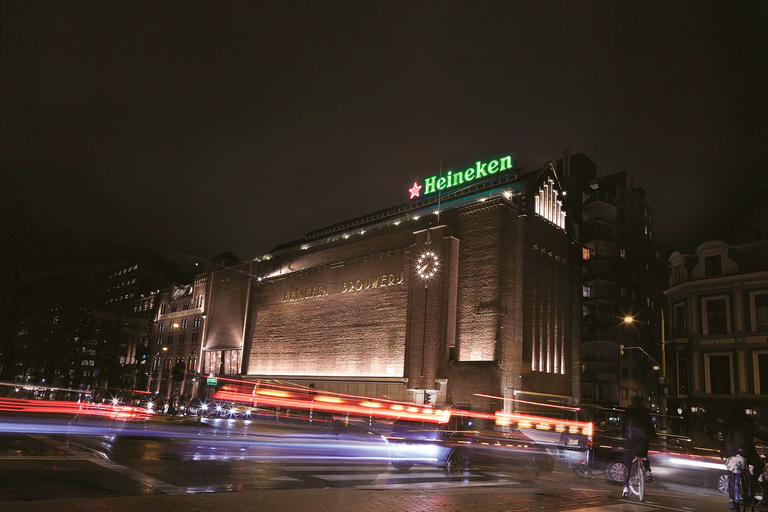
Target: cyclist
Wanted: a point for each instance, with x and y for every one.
(638, 430)
(740, 433)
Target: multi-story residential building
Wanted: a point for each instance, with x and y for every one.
(620, 280)
(717, 347)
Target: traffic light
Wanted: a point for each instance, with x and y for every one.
(427, 398)
(142, 353)
(177, 373)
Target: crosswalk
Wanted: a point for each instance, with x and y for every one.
(385, 477)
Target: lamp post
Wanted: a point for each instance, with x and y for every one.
(628, 320)
(656, 365)
(663, 398)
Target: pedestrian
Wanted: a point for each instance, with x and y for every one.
(637, 430)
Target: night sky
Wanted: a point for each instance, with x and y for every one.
(212, 126)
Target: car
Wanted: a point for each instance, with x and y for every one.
(673, 458)
(464, 444)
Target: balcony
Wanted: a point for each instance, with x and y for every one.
(597, 197)
(604, 273)
(600, 295)
(599, 231)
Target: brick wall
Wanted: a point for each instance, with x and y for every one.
(348, 320)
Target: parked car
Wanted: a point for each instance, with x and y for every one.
(464, 444)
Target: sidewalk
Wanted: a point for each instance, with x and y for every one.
(478, 499)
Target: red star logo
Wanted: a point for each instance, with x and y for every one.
(415, 190)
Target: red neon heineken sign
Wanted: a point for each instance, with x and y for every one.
(453, 179)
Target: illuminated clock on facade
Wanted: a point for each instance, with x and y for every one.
(427, 264)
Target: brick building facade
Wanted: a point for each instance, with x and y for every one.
(468, 297)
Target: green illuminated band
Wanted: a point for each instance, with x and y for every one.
(453, 179)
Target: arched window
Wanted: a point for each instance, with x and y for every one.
(156, 364)
(192, 363)
(167, 364)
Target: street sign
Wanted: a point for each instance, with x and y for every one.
(212, 380)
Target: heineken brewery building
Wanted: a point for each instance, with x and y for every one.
(466, 295)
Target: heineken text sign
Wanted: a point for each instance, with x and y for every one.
(453, 179)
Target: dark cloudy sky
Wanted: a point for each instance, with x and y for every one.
(211, 126)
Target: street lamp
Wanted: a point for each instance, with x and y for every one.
(628, 320)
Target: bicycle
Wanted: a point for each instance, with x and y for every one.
(637, 477)
(740, 489)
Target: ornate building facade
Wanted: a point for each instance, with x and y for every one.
(717, 350)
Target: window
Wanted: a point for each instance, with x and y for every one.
(678, 320)
(167, 364)
(761, 373)
(182, 336)
(586, 291)
(184, 324)
(159, 340)
(173, 309)
(160, 327)
(156, 364)
(192, 364)
(194, 337)
(718, 374)
(759, 305)
(197, 322)
(622, 253)
(712, 266)
(585, 253)
(677, 275)
(170, 340)
(682, 373)
(715, 315)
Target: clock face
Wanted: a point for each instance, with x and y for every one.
(426, 265)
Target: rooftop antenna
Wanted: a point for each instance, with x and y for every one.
(595, 155)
